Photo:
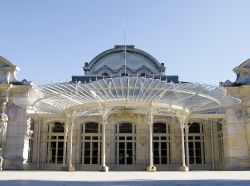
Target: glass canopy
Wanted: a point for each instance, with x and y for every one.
(129, 92)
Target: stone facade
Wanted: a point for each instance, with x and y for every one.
(46, 141)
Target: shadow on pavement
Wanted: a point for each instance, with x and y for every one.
(125, 183)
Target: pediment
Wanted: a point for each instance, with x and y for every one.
(5, 63)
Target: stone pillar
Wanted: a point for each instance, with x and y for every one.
(235, 140)
(71, 168)
(66, 129)
(103, 167)
(183, 167)
(71, 119)
(151, 167)
(187, 145)
(38, 142)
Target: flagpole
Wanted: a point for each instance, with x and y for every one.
(125, 50)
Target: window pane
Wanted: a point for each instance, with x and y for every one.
(156, 160)
(87, 145)
(129, 145)
(125, 128)
(198, 160)
(156, 145)
(164, 160)
(60, 145)
(194, 128)
(60, 159)
(87, 153)
(58, 127)
(95, 138)
(163, 138)
(129, 138)
(163, 145)
(121, 145)
(87, 137)
(197, 145)
(159, 128)
(86, 160)
(95, 153)
(94, 145)
(197, 137)
(156, 152)
(156, 138)
(94, 160)
(91, 127)
(163, 152)
(121, 138)
(191, 160)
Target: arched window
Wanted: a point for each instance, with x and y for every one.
(161, 143)
(91, 143)
(125, 141)
(105, 74)
(196, 144)
(55, 143)
(195, 128)
(143, 74)
(124, 74)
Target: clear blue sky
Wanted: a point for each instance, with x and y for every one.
(201, 41)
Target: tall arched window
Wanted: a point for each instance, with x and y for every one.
(55, 143)
(196, 144)
(125, 143)
(161, 143)
(91, 143)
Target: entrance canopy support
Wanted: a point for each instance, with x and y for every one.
(183, 119)
(151, 167)
(104, 167)
(69, 127)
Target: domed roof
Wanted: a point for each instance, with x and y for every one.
(113, 61)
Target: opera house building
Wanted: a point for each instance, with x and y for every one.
(124, 114)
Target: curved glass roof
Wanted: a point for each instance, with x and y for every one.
(129, 92)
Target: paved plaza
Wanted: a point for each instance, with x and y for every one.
(39, 178)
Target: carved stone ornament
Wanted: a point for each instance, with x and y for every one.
(238, 113)
(3, 123)
(12, 112)
(29, 132)
(248, 112)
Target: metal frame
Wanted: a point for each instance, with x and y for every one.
(135, 92)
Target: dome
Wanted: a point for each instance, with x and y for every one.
(112, 62)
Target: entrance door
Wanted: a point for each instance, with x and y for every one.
(125, 144)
